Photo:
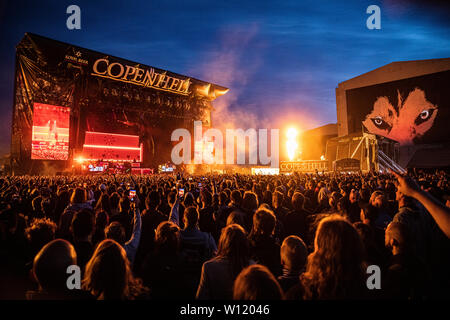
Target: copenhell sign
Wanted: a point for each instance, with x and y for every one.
(303, 166)
(143, 77)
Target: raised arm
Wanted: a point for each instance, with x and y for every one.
(439, 212)
(137, 228)
(174, 212)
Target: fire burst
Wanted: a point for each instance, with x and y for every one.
(291, 143)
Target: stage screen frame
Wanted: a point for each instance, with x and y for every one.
(412, 111)
(50, 130)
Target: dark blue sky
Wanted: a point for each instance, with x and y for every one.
(282, 60)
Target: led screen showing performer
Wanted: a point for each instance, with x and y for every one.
(50, 140)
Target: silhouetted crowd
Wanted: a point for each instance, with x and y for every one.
(242, 237)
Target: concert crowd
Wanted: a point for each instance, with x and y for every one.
(224, 237)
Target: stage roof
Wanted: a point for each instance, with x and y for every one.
(135, 73)
(396, 71)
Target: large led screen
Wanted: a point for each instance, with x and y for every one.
(111, 147)
(50, 133)
(411, 111)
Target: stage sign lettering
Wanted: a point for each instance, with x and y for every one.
(143, 77)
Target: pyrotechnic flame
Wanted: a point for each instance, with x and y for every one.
(291, 143)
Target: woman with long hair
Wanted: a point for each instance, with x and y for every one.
(103, 204)
(336, 268)
(162, 269)
(256, 282)
(108, 274)
(218, 274)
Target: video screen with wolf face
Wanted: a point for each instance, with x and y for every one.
(410, 111)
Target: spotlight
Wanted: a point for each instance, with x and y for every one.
(80, 159)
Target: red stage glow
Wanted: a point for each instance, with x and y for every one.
(50, 132)
(111, 147)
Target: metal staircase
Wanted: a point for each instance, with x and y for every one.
(387, 163)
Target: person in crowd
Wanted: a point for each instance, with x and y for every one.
(407, 277)
(37, 208)
(267, 198)
(379, 201)
(82, 228)
(441, 214)
(206, 213)
(374, 254)
(219, 273)
(50, 272)
(196, 248)
(369, 216)
(223, 206)
(192, 237)
(116, 232)
(264, 247)
(322, 197)
(162, 269)
(417, 222)
(77, 203)
(151, 218)
(108, 274)
(188, 201)
(336, 269)
(256, 282)
(295, 221)
(40, 232)
(100, 223)
(103, 204)
(249, 205)
(114, 200)
(237, 217)
(310, 196)
(293, 254)
(235, 199)
(354, 207)
(278, 205)
(62, 201)
(123, 216)
(333, 200)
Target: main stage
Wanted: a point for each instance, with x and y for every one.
(73, 104)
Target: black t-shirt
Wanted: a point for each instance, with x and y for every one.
(266, 251)
(84, 251)
(206, 221)
(150, 221)
(295, 223)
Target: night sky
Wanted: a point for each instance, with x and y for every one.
(282, 60)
